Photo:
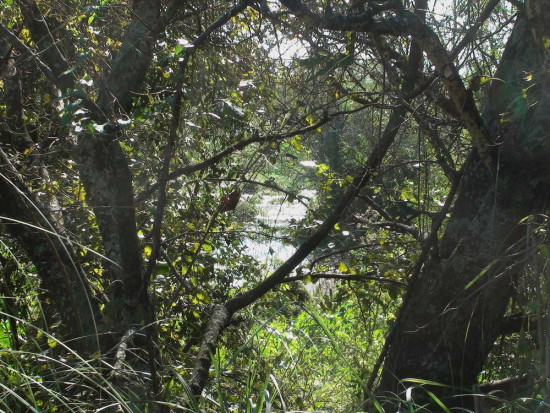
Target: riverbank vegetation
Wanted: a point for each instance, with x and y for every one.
(274, 206)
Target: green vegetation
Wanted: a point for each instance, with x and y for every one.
(274, 206)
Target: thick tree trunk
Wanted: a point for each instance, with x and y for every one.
(107, 178)
(63, 282)
(452, 312)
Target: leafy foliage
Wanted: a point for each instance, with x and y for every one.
(124, 127)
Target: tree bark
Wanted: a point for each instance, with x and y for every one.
(452, 313)
(62, 279)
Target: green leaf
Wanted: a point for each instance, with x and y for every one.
(438, 401)
(426, 382)
(340, 61)
(481, 274)
(66, 119)
(312, 61)
(161, 268)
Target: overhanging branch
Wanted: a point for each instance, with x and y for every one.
(406, 23)
(374, 160)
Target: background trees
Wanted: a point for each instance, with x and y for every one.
(124, 129)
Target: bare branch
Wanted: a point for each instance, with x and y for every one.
(472, 30)
(41, 35)
(393, 225)
(289, 194)
(255, 138)
(219, 320)
(361, 22)
(407, 23)
(25, 51)
(355, 277)
(442, 153)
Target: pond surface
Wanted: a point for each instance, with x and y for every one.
(276, 213)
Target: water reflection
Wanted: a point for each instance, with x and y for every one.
(275, 214)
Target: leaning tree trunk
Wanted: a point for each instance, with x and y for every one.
(452, 312)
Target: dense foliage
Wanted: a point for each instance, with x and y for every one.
(251, 207)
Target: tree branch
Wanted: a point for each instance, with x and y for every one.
(393, 225)
(408, 23)
(361, 22)
(374, 160)
(255, 138)
(219, 320)
(164, 175)
(42, 36)
(470, 34)
(344, 277)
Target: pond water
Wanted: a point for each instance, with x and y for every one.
(276, 213)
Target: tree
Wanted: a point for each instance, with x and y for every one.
(108, 105)
(454, 305)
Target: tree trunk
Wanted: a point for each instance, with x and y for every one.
(62, 279)
(452, 312)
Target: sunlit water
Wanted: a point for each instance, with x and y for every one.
(276, 213)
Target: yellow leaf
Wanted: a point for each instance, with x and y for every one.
(52, 342)
(82, 197)
(147, 251)
(203, 296)
(295, 142)
(342, 267)
(25, 35)
(322, 168)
